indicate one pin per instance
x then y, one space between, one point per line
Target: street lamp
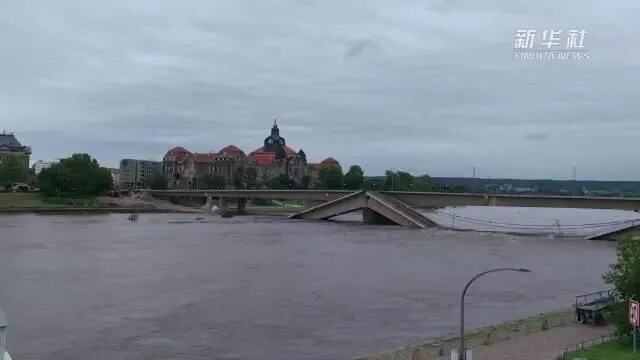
461 350
393 179
3 336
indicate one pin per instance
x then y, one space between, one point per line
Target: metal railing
596 297
588 343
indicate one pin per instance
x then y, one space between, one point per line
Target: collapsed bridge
394 207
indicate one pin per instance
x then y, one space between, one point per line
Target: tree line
12 170
81 175
355 179
78 175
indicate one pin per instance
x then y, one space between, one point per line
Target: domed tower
274 142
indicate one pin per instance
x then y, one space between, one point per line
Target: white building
40 165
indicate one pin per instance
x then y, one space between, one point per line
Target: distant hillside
542 186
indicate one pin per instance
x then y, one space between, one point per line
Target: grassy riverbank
39 201
259 210
276 207
617 350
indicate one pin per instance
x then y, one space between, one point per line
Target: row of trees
354 179
13 170
332 178
78 175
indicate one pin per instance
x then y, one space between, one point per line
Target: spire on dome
275 132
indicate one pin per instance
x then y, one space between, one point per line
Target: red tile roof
287 150
329 161
231 150
263 158
266 158
179 153
315 166
204 158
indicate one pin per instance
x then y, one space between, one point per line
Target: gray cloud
357 47
536 136
428 87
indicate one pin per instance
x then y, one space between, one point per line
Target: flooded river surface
203 287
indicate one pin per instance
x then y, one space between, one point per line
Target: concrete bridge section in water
376 208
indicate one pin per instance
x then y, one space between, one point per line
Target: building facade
135 174
11 147
315 170
115 177
186 170
40 165
275 159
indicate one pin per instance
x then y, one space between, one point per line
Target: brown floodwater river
193 286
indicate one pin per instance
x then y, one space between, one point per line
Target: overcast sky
423 86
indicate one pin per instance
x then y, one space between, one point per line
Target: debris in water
133 217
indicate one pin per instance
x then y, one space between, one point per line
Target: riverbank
17 203
273 210
88 210
37 200
540 337
616 349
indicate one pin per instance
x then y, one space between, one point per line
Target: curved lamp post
461 349
3 336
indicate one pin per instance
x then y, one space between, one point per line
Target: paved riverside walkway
542 345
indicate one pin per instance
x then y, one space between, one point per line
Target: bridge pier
492 201
242 205
222 205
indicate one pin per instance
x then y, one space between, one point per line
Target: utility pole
393 179
474 172
574 181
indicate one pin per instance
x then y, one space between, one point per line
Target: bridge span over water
394 206
421 199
